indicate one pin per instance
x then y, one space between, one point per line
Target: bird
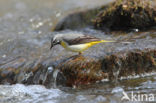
77 42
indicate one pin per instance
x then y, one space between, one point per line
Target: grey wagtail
75 42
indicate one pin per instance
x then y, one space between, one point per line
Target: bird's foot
80 53
76 56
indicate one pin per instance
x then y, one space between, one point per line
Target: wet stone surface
111 61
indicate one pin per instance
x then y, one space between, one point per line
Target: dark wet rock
82 70
119 15
85 70
134 62
77 20
125 14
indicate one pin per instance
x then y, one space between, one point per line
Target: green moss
127 14
82 70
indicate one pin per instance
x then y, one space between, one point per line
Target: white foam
31 93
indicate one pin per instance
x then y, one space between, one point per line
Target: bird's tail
97 42
106 41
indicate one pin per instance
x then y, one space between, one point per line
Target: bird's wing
81 40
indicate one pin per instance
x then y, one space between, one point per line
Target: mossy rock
85 70
82 70
127 14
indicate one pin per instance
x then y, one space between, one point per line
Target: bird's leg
80 53
76 57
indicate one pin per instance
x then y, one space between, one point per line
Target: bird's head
55 41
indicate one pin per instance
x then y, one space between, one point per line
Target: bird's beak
51 46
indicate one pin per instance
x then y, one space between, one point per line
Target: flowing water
25 29
98 93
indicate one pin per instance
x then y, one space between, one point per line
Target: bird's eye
54 41
58 41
